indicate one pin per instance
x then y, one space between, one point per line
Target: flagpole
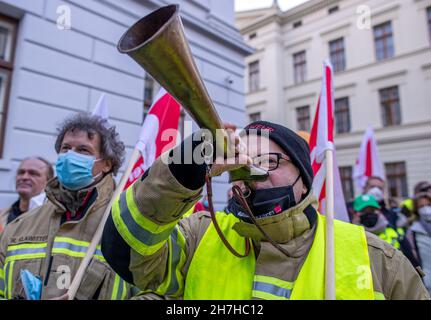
329 261
99 231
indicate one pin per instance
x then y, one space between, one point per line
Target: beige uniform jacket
53 251
3 218
163 200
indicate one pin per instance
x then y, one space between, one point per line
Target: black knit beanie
292 144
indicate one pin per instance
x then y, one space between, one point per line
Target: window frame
342 111
337 55
8 67
388 51
402 185
255 116
254 76
390 105
300 67
301 118
428 14
347 179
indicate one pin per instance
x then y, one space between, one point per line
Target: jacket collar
282 227
67 200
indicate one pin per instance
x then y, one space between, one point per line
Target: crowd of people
159 242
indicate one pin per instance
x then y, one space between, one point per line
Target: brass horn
158 44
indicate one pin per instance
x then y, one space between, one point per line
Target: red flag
322 139
368 163
158 133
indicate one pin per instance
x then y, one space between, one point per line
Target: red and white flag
322 139
367 163
158 133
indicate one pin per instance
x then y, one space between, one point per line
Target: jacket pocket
93 281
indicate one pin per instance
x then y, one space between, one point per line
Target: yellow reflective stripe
130 239
274 281
124 293
266 296
271 288
24 257
26 246
115 287
25 251
174 282
9 275
2 287
379 296
74 241
143 221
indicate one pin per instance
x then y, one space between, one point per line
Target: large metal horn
158 44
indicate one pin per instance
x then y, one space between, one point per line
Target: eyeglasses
269 161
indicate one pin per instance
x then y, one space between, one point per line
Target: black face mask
264 202
369 219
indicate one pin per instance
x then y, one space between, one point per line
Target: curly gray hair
111 147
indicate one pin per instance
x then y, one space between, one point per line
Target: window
8 28
303 118
297 24
299 67
337 54
253 75
384 42
429 21
396 178
252 35
342 115
332 10
347 182
254 116
148 93
390 106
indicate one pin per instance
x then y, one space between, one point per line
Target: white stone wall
409 69
59 72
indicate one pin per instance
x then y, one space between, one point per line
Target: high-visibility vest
392 236
215 273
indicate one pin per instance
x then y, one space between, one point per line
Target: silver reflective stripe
120 289
145 236
7 295
272 289
74 247
176 255
25 251
69 246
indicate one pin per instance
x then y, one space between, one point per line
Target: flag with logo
158 133
368 163
322 139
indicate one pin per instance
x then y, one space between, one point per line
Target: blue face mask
75 170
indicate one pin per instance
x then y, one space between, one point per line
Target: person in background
407 206
375 186
51 240
368 214
31 178
420 234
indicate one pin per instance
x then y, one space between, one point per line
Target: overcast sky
241 5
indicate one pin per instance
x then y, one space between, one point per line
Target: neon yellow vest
215 273
392 237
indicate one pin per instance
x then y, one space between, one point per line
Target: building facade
57 57
381 54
